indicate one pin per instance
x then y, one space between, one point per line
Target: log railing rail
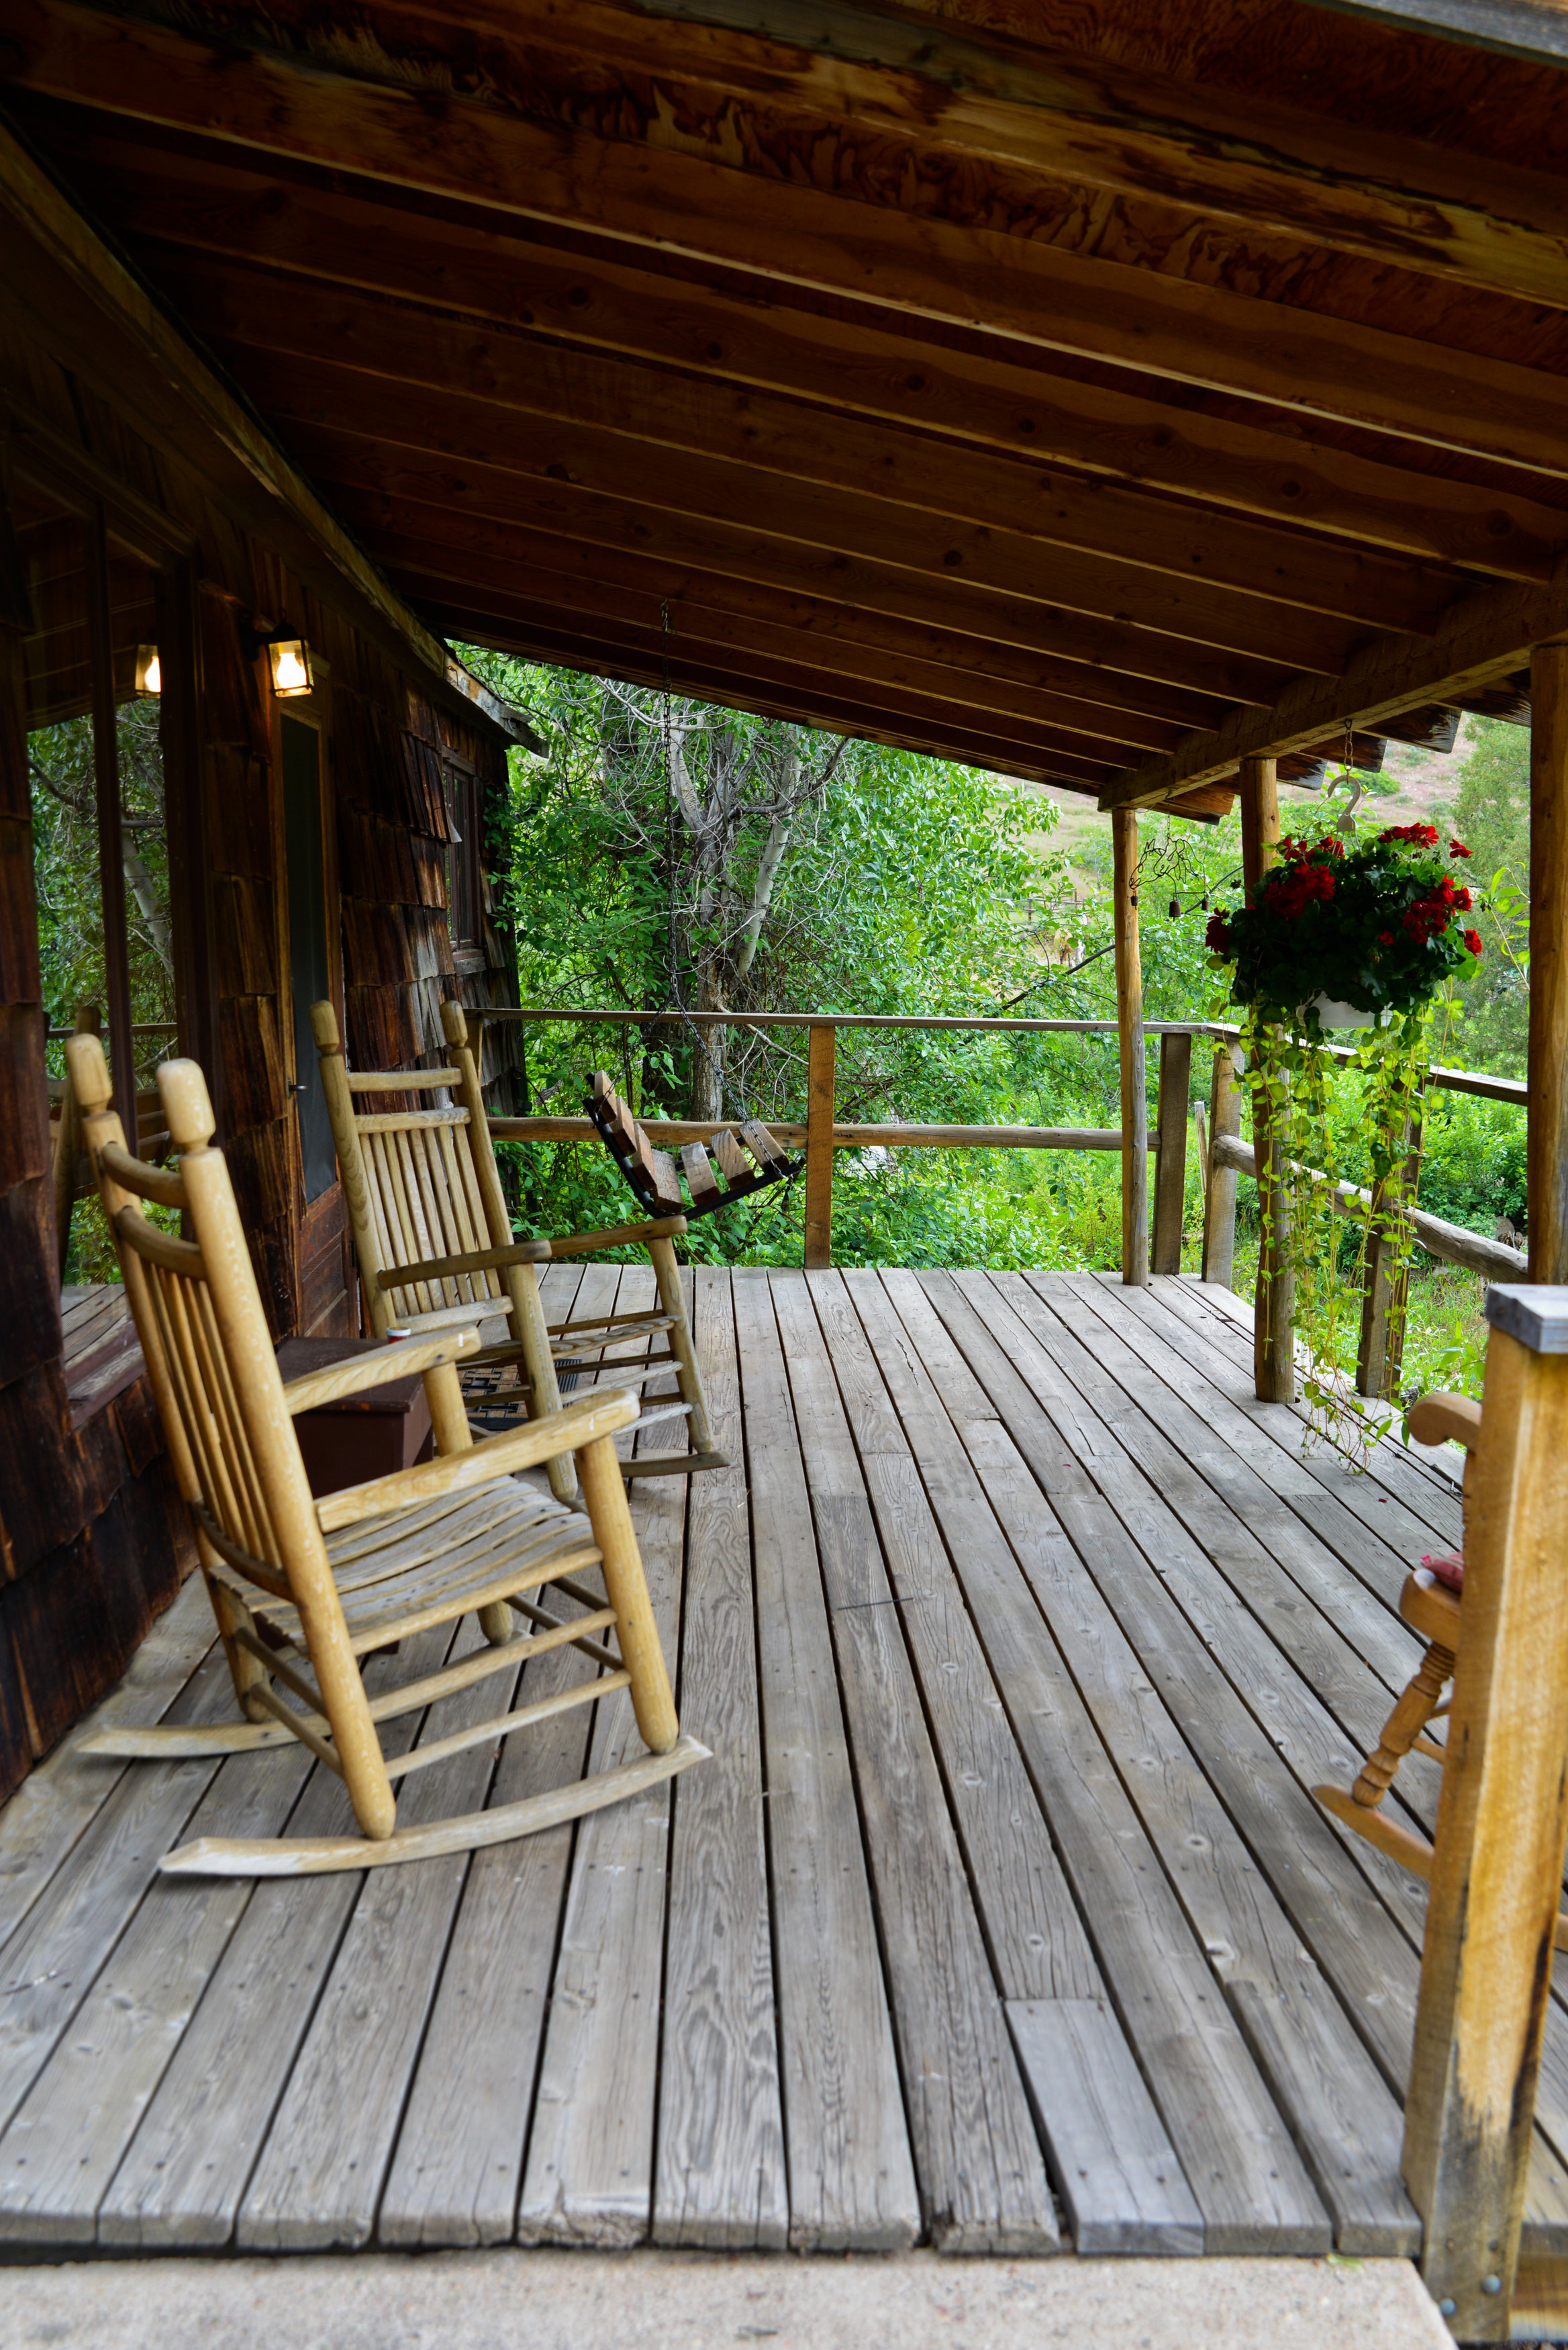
822 1133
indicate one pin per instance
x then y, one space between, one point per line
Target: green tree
663 854
1490 1028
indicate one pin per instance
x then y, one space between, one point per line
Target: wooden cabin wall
93 1540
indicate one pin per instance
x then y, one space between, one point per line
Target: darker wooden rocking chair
1432 1603
750 1158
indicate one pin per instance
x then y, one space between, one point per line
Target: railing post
1547 1144
1503 1822
820 1110
1171 1118
1129 1032
1219 1197
1273 1330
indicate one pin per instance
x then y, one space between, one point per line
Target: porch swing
750 1158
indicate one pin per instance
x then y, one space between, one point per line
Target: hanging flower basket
1360 940
1367 930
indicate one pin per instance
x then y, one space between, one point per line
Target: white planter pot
1333 1014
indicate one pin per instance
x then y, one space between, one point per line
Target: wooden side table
362 1436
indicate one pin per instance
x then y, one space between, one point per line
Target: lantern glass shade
148 676
290 660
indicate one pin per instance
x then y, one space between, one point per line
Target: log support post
1129 1028
1547 1149
1503 1822
1383 1294
1273 1335
820 1111
1219 1189
1171 1120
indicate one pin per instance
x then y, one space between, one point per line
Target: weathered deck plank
1020 1631
1236 2151
588 2176
318 2181
719 2172
61 1795
1255 1716
1036 1938
981 2175
851 2172
1121 2181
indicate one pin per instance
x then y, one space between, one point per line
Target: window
464 870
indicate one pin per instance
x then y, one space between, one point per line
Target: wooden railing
1222 1154
823 1133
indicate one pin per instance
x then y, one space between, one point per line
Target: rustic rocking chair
1431 1603
304 1590
434 1237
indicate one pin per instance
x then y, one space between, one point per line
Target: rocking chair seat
406 1569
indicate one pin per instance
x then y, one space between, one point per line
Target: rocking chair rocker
1431 1603
304 1590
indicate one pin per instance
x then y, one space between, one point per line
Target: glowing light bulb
291 667
148 676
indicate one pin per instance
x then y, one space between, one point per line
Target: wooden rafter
657 196
551 309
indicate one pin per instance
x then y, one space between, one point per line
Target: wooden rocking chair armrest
585 1244
604 1413
313 1388
1439 1419
442 1268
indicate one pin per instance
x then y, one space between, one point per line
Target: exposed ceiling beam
920 99
478 439
88 307
920 688
365 479
1533 30
742 74
432 140
481 268
1478 645
705 681
1121 709
474 382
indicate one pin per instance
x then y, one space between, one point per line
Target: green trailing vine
1377 928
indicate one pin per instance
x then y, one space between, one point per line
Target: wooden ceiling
1098 390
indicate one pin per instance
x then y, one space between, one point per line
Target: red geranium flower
1472 940
1217 937
1385 938
1457 849
1423 836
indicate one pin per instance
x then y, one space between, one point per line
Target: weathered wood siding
93 1542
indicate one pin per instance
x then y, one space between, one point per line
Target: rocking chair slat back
414 1187
422 1188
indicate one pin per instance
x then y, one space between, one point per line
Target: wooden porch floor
1003 1918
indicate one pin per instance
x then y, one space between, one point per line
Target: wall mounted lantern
289 657
148 676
